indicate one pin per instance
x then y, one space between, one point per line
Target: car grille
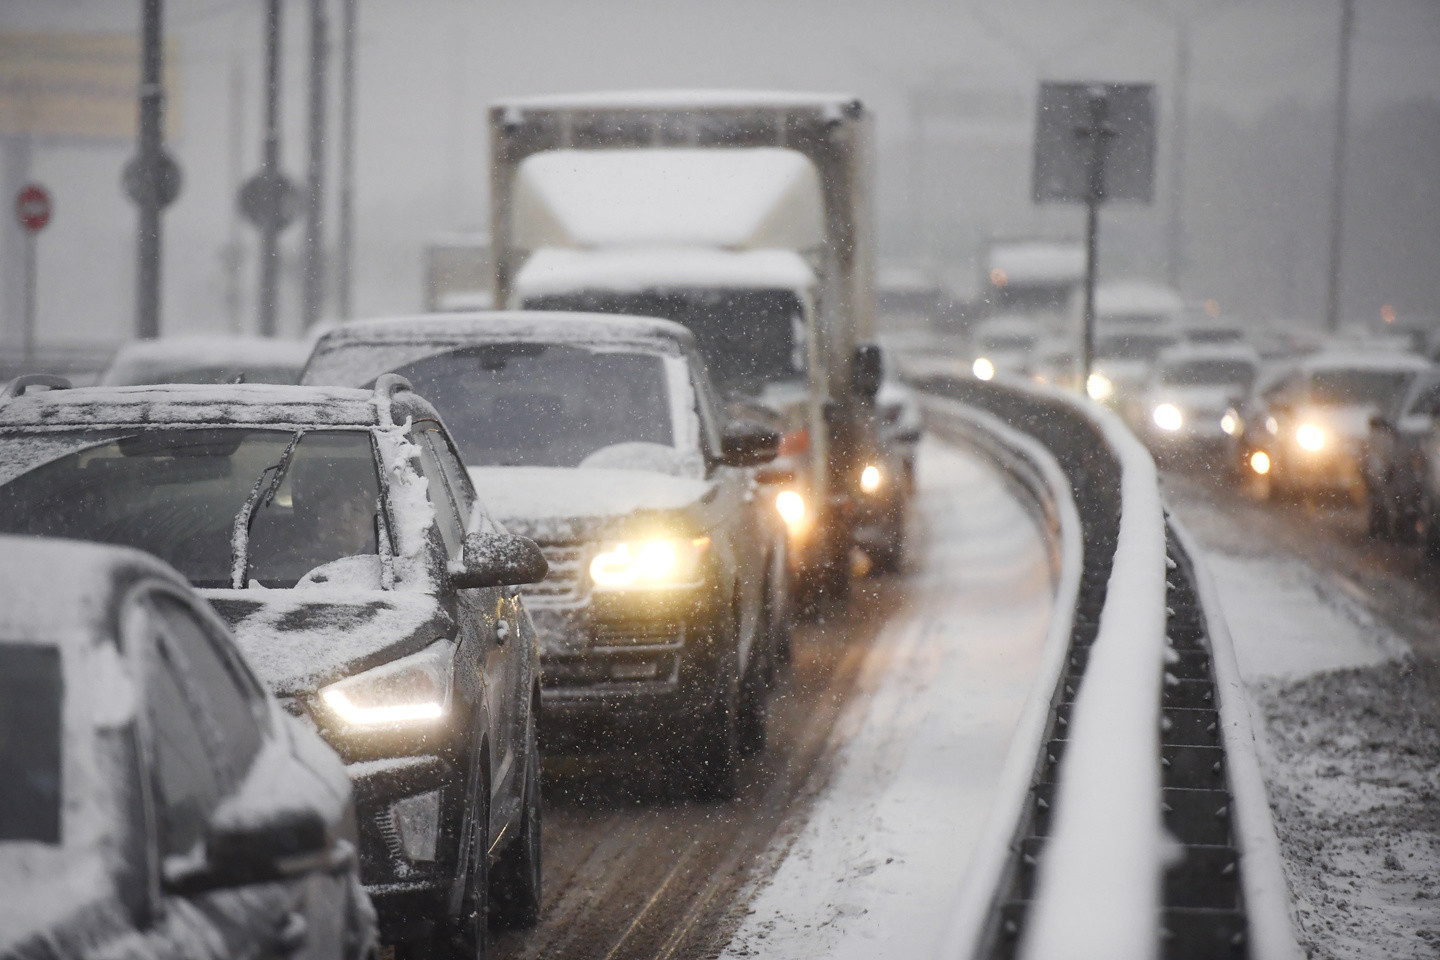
566 582
647 633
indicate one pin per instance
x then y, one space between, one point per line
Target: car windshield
1357 388
749 338
176 493
1204 373
1131 346
545 405
1008 341
31 691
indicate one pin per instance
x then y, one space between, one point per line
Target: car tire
516 880
715 749
470 931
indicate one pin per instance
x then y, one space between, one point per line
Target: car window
205 719
31 694
447 511
710 425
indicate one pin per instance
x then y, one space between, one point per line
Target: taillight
794 443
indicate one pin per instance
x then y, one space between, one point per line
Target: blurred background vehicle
1189 399
340 536
600 437
207 360
156 801
1394 465
1003 346
1306 429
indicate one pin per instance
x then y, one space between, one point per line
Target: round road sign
32 207
157 182
269 200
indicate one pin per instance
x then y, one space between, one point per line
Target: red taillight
794 443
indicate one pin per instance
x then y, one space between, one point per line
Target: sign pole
147 286
29 329
32 210
1095 133
269 232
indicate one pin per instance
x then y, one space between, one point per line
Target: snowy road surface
882 861
1324 623
852 831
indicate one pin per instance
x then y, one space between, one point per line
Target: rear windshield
1131 346
1373 388
1200 373
31 691
545 405
177 493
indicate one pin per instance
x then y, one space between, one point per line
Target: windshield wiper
260 496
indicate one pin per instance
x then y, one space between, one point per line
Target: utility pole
1337 172
345 250
313 280
150 179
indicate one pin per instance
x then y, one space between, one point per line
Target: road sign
1064 130
32 207
163 178
269 200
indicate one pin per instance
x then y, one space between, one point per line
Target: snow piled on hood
524 495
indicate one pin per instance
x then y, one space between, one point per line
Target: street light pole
152 102
345 251
1337 170
269 233
313 283
1175 232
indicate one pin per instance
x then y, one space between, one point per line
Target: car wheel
515 883
715 751
471 929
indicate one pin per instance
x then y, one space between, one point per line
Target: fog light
983 369
417 821
1260 462
1098 386
870 478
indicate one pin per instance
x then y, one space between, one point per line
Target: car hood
559 504
299 640
1207 399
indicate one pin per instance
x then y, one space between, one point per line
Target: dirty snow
923 747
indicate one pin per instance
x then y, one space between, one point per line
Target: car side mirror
865 371
243 848
498 560
748 445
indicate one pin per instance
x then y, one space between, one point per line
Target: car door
205 721
482 612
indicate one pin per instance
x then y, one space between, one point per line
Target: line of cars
460 531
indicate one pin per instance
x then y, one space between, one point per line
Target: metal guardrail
1145 831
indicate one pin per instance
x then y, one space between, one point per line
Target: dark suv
338 533
601 437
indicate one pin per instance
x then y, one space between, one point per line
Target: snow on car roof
509 325
670 99
1182 352
1378 360
213 351
1039 261
551 271
190 403
37 606
744 198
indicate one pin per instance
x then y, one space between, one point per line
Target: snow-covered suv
600 437
339 534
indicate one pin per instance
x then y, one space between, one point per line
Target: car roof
482 326
54 592
1185 351
1350 360
208 404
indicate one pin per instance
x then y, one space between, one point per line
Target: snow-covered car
1395 459
155 801
1306 430
1003 346
1189 401
206 360
599 436
901 419
340 536
1122 363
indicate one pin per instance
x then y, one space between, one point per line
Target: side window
447 516
461 489
206 719
710 417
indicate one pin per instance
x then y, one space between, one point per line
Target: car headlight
1230 423
791 507
1167 417
413 689
1098 386
658 562
870 478
1310 437
983 369
1260 462
1272 426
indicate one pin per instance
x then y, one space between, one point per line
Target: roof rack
386 386
21 384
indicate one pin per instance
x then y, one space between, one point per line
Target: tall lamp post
1337 170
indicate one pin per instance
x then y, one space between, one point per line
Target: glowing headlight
983 369
409 690
1098 386
1260 462
1309 437
870 478
662 562
1168 418
1230 424
791 507
1272 426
